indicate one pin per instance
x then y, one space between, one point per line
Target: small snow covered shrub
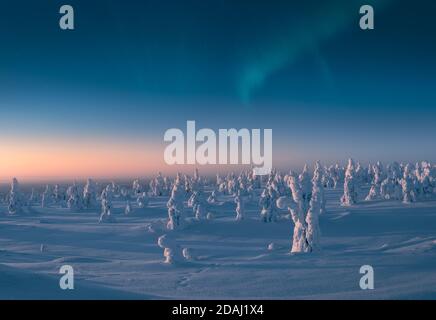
187 254
128 208
271 246
171 249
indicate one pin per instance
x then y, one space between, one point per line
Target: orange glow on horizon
69 159
53 159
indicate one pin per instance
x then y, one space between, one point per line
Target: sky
97 100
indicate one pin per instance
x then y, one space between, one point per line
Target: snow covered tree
222 188
361 174
173 216
142 200
299 240
196 180
370 173
240 207
397 191
187 185
59 196
306 187
338 175
394 171
231 184
251 192
175 206
334 173
317 181
15 198
274 195
373 193
125 194
408 185
89 195
74 200
350 186
427 179
267 203
137 188
219 180
33 197
158 185
115 189
378 177
106 205
128 208
213 197
379 173
47 197
390 189
313 233
168 185
327 179
196 199
297 196
200 211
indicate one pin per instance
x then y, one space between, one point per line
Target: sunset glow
51 159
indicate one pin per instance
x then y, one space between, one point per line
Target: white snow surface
230 259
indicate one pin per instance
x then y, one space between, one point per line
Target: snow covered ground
231 259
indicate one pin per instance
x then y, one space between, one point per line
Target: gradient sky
97 100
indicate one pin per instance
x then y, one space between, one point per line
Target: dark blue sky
132 69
